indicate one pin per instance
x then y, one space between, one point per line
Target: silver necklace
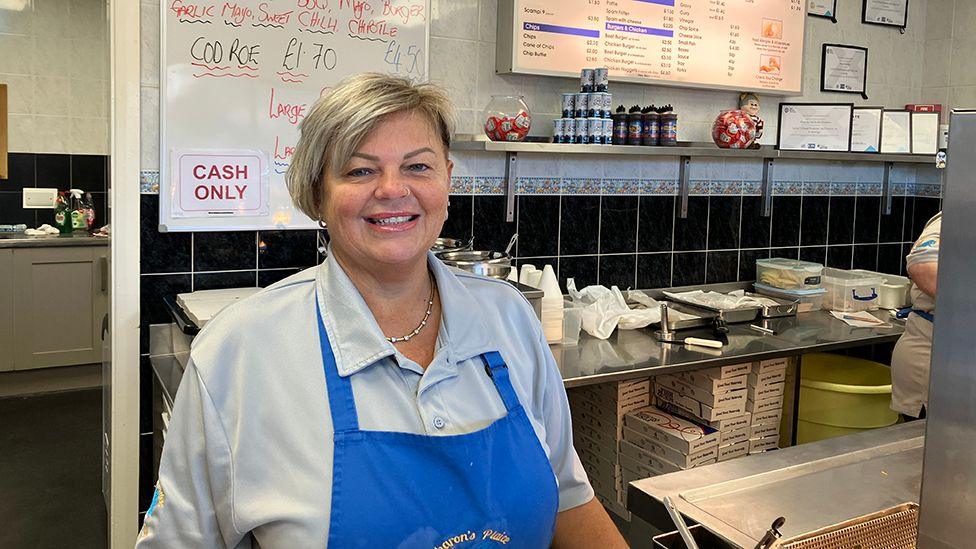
430 307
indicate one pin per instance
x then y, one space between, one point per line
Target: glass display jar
507 118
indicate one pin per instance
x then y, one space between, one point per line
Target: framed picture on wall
925 132
844 69
866 129
824 127
891 13
896 131
823 8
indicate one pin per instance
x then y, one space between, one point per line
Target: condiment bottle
620 126
669 126
635 127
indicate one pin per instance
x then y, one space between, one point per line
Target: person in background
381 399
912 357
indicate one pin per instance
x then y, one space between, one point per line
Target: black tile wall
491 231
579 225
654 270
890 259
655 224
924 209
786 221
691 232
839 257
286 249
618 270
538 226
224 251
618 224
160 252
583 269
267 278
723 222
755 227
722 266
867 216
865 257
458 223
814 254
688 268
60 171
892 224
840 228
813 222
747 262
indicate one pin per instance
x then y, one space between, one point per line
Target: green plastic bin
841 395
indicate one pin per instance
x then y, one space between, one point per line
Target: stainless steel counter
19 240
631 354
813 485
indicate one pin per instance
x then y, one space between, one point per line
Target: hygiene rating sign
219 183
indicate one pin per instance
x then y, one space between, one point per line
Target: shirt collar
356 338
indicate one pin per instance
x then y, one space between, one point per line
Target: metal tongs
772 534
686 536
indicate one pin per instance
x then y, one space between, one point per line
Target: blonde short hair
340 120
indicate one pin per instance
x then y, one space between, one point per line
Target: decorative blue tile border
582 185
725 188
898 189
620 186
462 184
149 182
488 185
843 189
663 187
816 188
787 188
752 188
929 190
869 189
698 187
538 185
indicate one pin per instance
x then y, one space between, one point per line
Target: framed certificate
823 8
844 69
896 131
925 132
893 13
815 127
866 130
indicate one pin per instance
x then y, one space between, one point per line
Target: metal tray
785 307
705 316
732 316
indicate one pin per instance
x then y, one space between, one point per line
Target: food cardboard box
733 451
616 507
763 444
600 469
767 378
610 427
694 407
582 442
668 453
728 421
607 411
648 468
734 436
763 392
712 385
770 365
628 477
676 432
763 431
727 399
619 390
600 437
759 406
654 461
772 416
725 372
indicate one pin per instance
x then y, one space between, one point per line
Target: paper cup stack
552 298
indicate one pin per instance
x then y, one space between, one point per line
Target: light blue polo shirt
247 460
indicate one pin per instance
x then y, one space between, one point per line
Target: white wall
949 71
462 57
54 60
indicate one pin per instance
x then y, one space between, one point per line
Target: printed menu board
730 44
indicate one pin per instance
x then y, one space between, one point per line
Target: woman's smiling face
389 202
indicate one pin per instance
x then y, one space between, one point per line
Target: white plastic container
788 274
848 291
809 300
895 291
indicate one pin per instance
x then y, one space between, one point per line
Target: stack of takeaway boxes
697 418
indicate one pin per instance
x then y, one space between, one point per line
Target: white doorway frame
122 366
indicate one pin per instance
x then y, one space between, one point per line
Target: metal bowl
491 264
450 245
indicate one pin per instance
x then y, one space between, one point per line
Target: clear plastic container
809 300
848 291
894 292
788 274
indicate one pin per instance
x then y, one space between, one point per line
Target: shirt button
439 422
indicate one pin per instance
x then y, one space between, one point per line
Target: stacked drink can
586 114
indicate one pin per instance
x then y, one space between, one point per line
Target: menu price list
732 43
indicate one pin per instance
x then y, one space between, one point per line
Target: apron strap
341 402
496 368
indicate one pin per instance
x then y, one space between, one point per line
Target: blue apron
490 488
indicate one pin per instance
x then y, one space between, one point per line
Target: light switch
40 198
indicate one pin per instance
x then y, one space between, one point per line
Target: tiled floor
50 471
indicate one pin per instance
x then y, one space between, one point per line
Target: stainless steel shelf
690 149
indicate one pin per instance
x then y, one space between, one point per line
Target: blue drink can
607 131
580 135
581 105
569 130
594 131
569 102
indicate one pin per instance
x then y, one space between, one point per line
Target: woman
911 360
380 399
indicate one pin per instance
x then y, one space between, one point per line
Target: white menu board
237 78
752 45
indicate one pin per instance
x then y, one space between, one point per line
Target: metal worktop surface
631 354
20 240
812 485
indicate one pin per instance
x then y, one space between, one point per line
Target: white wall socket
40 198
